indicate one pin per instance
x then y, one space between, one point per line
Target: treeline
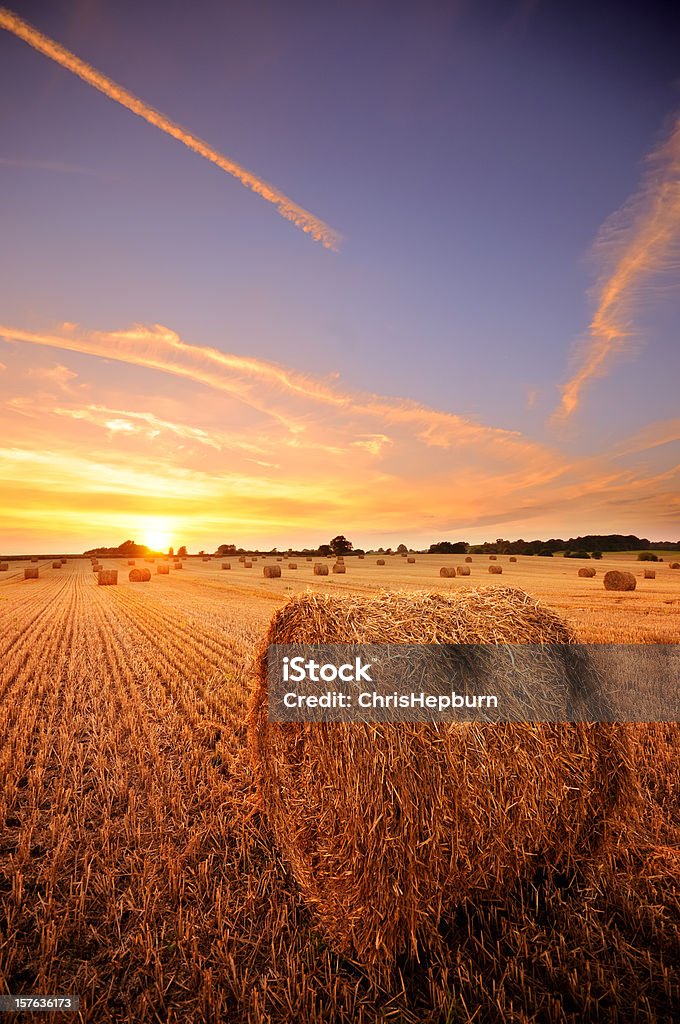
588 542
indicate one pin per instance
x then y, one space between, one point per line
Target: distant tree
647 556
546 553
447 547
226 549
388 551
576 554
182 552
324 550
596 554
340 545
402 549
171 552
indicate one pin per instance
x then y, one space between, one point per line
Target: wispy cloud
639 242
302 218
26 164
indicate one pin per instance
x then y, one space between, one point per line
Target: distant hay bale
177 564
205 559
254 559
380 561
4 566
309 559
386 827
226 565
649 574
586 571
271 571
513 558
279 559
361 557
675 565
163 570
339 567
247 564
615 579
292 565
493 558
31 574
34 560
320 570
97 568
411 561
403 554
139 575
107 578
497 569
131 561
447 570
468 558
56 565
462 570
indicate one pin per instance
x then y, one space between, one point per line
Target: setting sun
156 534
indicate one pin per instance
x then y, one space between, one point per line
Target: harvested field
139 870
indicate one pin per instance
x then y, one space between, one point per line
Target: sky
407 272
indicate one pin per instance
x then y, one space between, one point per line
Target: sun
157 534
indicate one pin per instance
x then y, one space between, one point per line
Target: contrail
308 223
640 240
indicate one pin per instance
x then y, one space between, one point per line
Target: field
137 870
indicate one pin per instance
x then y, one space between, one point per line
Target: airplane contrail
302 219
641 240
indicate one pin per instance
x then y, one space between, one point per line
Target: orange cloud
302 219
641 240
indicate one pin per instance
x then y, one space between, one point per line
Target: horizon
250 291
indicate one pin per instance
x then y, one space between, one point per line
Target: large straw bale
320 570
411 560
131 561
139 575
247 564
468 558
31 574
340 567
380 561
387 827
493 558
292 565
107 578
271 571
497 569
447 570
513 558
462 570
674 565
163 570
615 579
56 565
649 574
226 565
587 572
4 566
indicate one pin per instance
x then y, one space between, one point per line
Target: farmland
136 867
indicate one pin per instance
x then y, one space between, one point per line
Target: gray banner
474 683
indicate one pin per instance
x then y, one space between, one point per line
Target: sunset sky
419 279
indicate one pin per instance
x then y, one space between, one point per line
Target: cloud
302 219
637 243
58 376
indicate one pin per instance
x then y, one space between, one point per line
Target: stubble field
136 868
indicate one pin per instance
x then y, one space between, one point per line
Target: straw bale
387 827
615 579
447 570
320 570
587 572
107 578
271 571
139 575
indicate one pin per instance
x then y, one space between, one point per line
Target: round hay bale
403 553
205 559
131 561
411 561
387 827
361 557
97 568
226 565
380 561
279 559
163 570
340 567
292 565
247 564
107 578
447 570
35 560
139 575
177 564
271 571
649 574
309 559
674 565
31 574
4 566
56 565
462 570
587 572
513 558
493 558
320 570
615 579
497 569
468 558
